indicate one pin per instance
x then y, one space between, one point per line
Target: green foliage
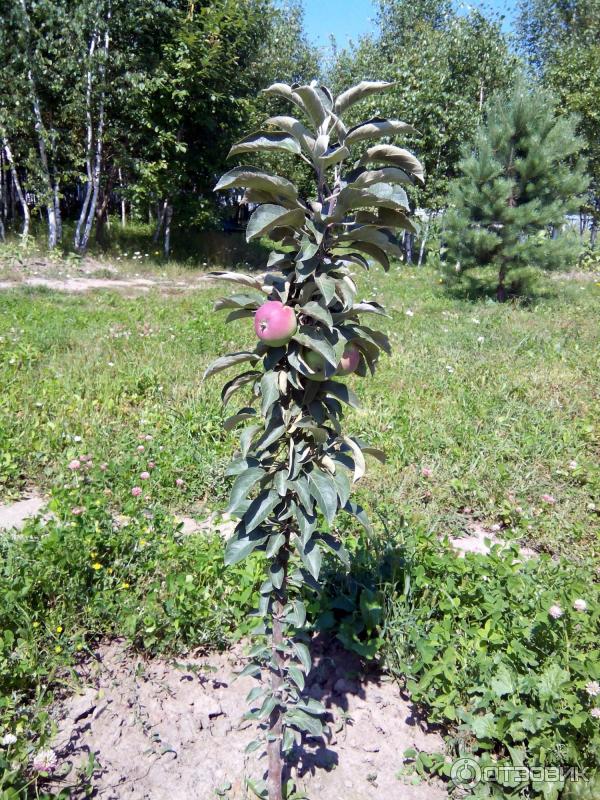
292 466
519 181
90 572
477 646
443 65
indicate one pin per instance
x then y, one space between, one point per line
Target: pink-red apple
349 360
316 363
275 323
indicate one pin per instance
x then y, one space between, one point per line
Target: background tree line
128 107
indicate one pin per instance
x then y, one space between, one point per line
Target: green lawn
500 403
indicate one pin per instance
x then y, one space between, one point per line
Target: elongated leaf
285 91
312 558
242 416
304 722
376 253
237 383
312 99
252 177
323 488
373 235
269 216
253 281
359 459
342 392
296 129
334 155
276 542
269 389
242 485
313 339
297 676
317 311
229 361
366 177
239 547
397 157
259 510
303 654
375 128
358 512
375 452
265 140
358 92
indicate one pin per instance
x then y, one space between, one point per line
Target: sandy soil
163 730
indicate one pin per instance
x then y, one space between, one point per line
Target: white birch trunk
160 220
88 147
168 218
123 206
41 137
97 171
18 188
423 243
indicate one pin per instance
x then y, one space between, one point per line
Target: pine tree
518 181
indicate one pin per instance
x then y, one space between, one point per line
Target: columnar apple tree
295 463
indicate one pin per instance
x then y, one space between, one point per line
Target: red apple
316 363
349 360
275 323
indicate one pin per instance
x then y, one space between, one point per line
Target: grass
486 411
500 403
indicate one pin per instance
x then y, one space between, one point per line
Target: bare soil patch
168 730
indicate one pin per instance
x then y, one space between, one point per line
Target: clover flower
45 761
555 611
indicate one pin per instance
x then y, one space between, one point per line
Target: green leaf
269 389
276 542
259 509
358 512
242 416
269 216
242 485
276 574
317 311
342 392
397 157
297 676
303 654
304 722
239 547
376 253
359 459
296 129
265 140
333 155
256 179
312 99
358 92
312 338
375 128
312 558
237 383
323 488
229 361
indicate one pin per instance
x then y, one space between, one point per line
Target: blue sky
348 19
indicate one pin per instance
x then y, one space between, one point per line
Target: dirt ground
162 730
